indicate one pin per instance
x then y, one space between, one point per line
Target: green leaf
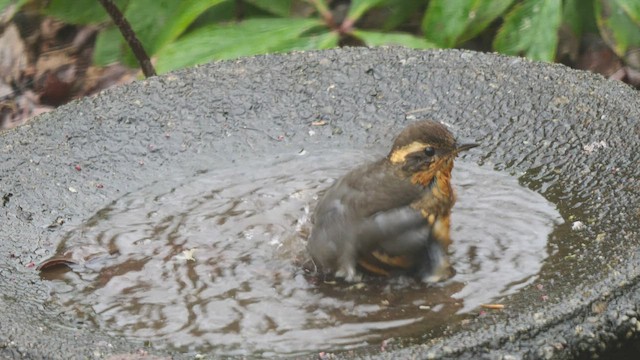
617 25
631 9
250 37
482 14
531 29
225 11
325 40
579 15
159 22
449 23
185 14
5 3
359 7
400 12
277 7
108 47
321 6
155 22
445 21
80 11
374 38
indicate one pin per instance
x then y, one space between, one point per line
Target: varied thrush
393 215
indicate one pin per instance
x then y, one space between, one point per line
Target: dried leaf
493 306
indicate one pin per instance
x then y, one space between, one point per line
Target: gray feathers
368 209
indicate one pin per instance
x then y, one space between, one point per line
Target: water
211 262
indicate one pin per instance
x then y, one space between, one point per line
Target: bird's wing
367 210
332 236
378 202
397 231
376 188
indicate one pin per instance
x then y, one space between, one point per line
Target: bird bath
559 141
213 263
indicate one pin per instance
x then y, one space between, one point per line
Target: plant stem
130 36
323 10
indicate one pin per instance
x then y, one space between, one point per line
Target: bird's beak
465 147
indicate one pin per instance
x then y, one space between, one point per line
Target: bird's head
426 148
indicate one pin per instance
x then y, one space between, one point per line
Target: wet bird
391 216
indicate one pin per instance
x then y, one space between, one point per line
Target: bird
391 216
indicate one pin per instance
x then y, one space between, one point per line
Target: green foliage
445 21
80 11
276 7
109 47
484 13
579 15
325 40
375 38
400 12
359 7
228 41
5 3
450 22
179 33
159 22
531 29
619 23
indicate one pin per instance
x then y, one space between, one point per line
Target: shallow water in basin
211 262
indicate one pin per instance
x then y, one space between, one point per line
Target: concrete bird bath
570 136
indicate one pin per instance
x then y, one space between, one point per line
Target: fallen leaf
13 56
493 306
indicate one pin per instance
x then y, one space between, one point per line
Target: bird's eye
429 151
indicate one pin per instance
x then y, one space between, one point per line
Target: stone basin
571 136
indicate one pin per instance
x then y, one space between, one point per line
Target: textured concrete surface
570 135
